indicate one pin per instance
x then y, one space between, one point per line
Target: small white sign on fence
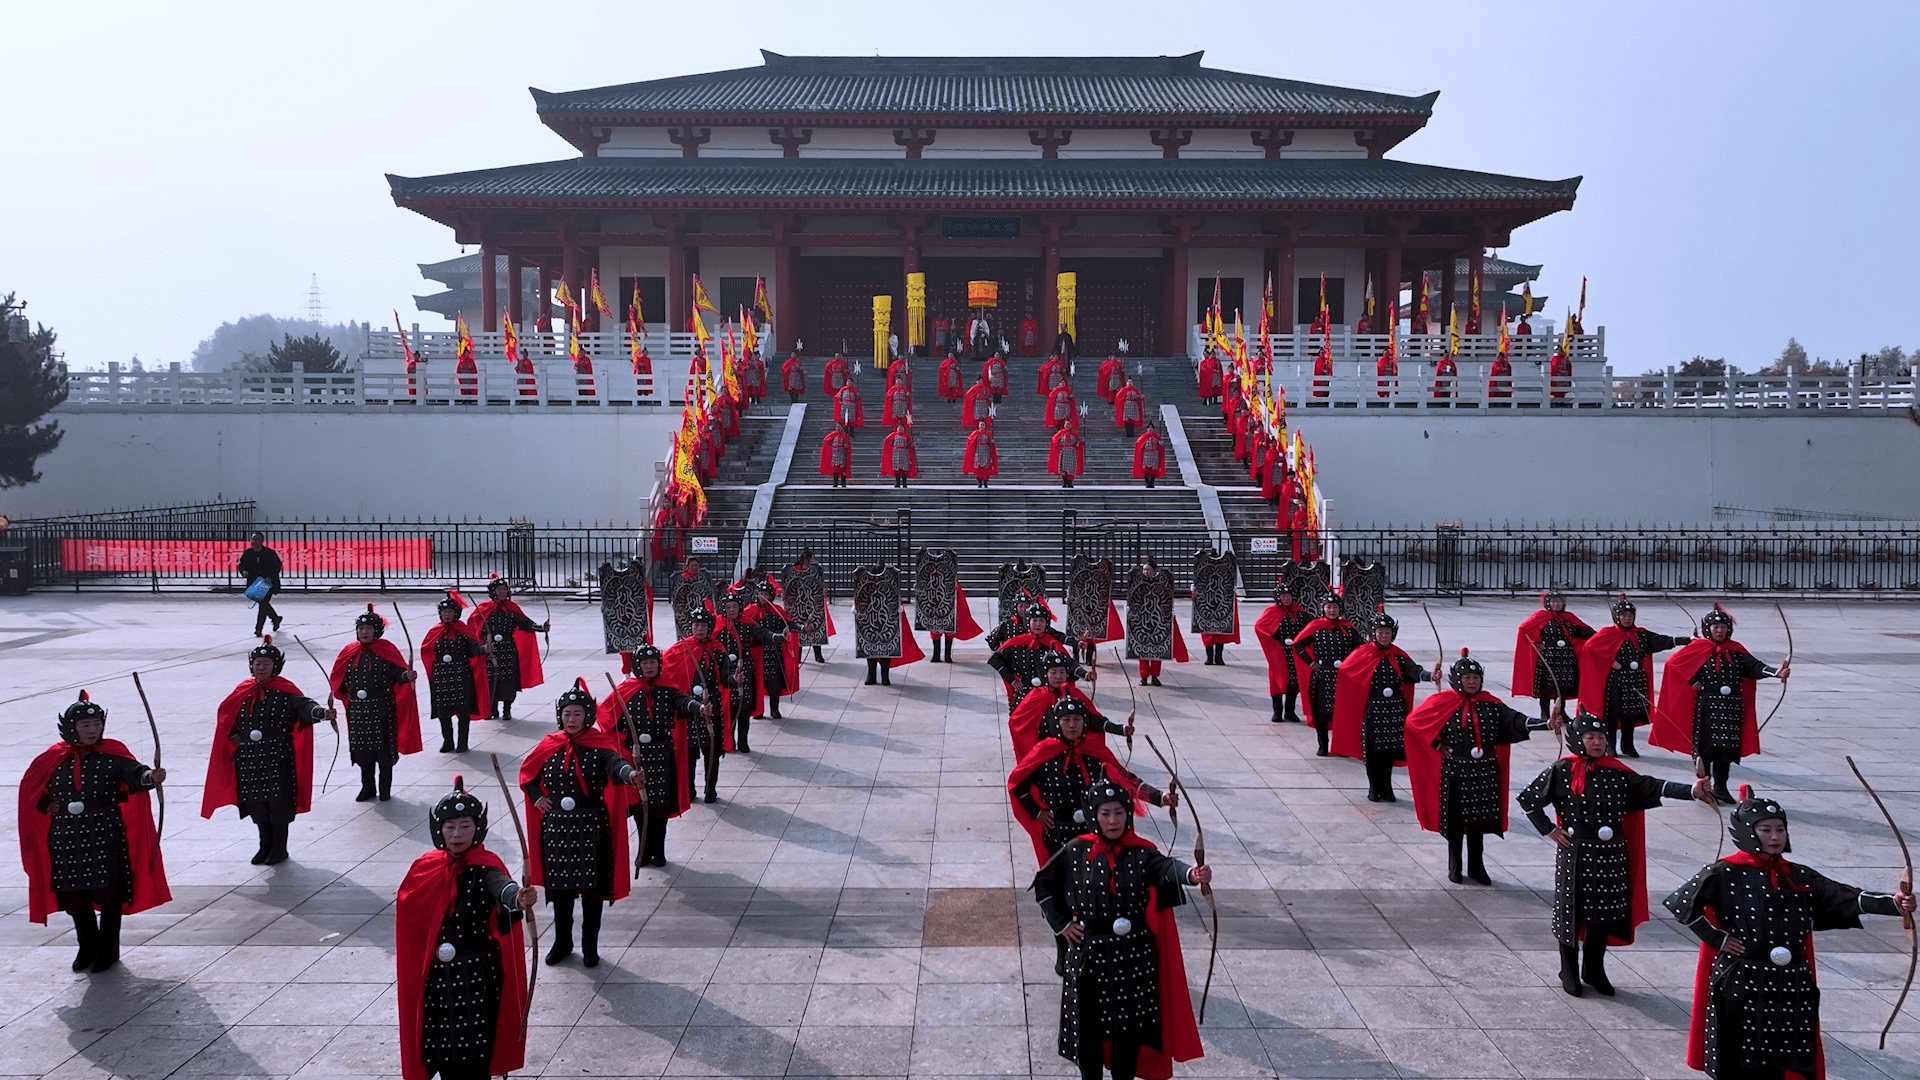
706 545
1264 545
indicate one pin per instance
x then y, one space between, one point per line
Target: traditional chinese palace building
834 177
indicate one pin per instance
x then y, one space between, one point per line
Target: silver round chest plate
1122 927
566 803
444 953
256 735
361 694
1604 832
76 807
1337 663
1386 691
646 737
1079 817
1477 752
1726 689
1036 682
1781 956
497 637
1560 644
446 658
1635 665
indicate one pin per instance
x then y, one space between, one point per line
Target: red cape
1126 394
1179 1035
835 374
1113 376
425 895
1062 410
406 704
1040 382
482 705
1596 661
793 376
1024 722
149 874
1703 988
859 418
1140 468
789 650
886 454
910 651
524 642
963 614
974 406
1054 463
827 467
992 468
1673 721
222 787
951 386
1226 639
1209 377
1423 761
1352 688
615 797
1526 644
614 705
1044 751
1280 676
677 669
889 415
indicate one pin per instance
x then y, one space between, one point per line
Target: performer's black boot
590 931
1721 769
949 650
886 671
460 747
1293 711
818 656
1593 971
1570 969
873 669
277 853
773 705
1453 860
1626 741
1279 707
1476 858
107 953
562 928
87 931
1321 733
655 851
740 725
446 734
266 842
386 780
367 788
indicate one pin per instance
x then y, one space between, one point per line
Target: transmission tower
316 301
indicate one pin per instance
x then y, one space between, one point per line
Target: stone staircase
1240 502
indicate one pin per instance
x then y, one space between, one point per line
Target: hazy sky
1749 167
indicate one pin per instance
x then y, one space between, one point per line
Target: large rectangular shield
1363 588
1149 615
1216 575
1017 579
935 588
1308 582
689 595
626 606
805 593
1089 591
876 611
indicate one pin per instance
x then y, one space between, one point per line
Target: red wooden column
1176 326
909 226
1050 279
516 269
489 290
1285 288
1390 276
785 290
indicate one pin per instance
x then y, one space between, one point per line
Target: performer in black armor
1035 718
1022 660
1546 657
1324 643
1277 630
740 639
87 841
261 761
1371 705
1110 897
652 721
576 782
458 952
697 666
1756 1008
375 683
456 664
1706 706
1599 869
514 663
1616 674
1457 760
777 648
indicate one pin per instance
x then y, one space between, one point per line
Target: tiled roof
983 88
1329 184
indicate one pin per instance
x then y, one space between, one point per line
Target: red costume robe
1353 687
1673 720
1061 411
1067 454
1271 471
898 438
1444 373
1289 491
614 705
900 373
614 797
1323 372
222 786
951 385
1209 376
147 879
789 651
406 704
1560 375
426 894
1129 407
1149 455
1046 750
1423 758
993 370
838 373
1113 374
482 702
1281 676
973 408
848 407
1387 370
793 375
1023 724
896 406
1596 660
836 454
679 668
1526 646
1053 372
524 643
978 444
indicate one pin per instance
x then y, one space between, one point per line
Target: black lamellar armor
1632 673
770 635
1064 783
367 691
1556 664
653 711
1719 705
1762 1014
1384 726
462 997
1328 646
503 667
263 767
1590 879
89 849
712 671
1024 664
1471 789
575 850
450 676
1112 988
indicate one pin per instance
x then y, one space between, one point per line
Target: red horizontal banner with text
220 556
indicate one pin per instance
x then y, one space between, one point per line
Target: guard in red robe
1756 1004
1210 381
1523 327
1616 672
261 760
1323 645
849 410
1706 703
1052 374
1457 751
455 660
459 957
1370 707
651 720
1387 375
1546 656
1061 408
1149 457
514 663
1277 630
753 378
578 784
1023 658
1445 371
982 457
1112 373
793 377
837 374
897 456
87 841
976 407
1559 374
1290 494
952 380
1110 898
1067 455
897 408
1129 408
993 371
836 455
698 666
1500 377
776 647
1302 537
1322 372
375 683
1600 865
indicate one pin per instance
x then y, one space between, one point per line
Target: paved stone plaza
851 906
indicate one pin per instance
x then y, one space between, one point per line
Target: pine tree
32 383
315 352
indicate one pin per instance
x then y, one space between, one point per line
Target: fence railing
551 385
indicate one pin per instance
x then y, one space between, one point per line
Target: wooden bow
1199 859
1778 610
1906 886
159 792
1133 703
638 771
1441 664
408 635
546 634
327 783
526 881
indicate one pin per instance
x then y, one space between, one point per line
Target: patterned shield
626 606
1307 582
689 595
1089 591
936 579
1017 579
1150 615
1216 574
1363 586
805 592
876 611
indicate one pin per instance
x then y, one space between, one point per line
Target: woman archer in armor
261 761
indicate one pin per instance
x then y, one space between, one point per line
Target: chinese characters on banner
219 556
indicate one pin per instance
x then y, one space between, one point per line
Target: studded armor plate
367 689
503 667
1590 879
1472 790
462 996
450 675
89 849
1556 668
574 851
263 767
655 711
1720 702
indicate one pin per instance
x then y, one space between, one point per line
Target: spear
526 881
158 791
328 680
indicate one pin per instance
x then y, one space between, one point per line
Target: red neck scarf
1472 716
1779 870
1110 850
1582 763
